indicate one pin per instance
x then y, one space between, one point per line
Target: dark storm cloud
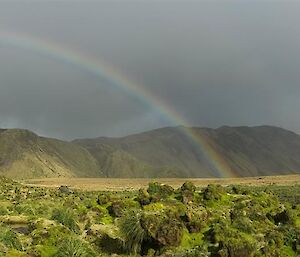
214 62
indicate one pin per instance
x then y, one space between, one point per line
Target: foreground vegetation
231 221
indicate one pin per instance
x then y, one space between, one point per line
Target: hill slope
23 154
166 152
248 151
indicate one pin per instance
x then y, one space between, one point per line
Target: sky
204 63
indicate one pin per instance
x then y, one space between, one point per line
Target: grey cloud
213 62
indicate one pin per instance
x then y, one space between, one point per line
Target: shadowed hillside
248 151
166 152
23 154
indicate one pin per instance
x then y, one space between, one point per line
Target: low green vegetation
231 221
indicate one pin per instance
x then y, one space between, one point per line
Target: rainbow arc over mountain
79 60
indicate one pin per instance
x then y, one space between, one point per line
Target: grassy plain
117 184
252 217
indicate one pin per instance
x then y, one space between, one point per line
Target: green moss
143 197
3 210
6 206
213 192
288 251
10 239
107 219
120 206
191 240
15 253
162 229
46 251
155 207
159 191
100 215
230 241
224 222
297 223
50 235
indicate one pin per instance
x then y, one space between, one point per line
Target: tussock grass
132 231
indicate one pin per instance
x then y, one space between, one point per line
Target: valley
120 184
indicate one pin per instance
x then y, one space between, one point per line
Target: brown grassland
120 184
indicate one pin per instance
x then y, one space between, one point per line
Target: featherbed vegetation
231 221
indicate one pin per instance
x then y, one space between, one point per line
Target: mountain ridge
165 152
230 142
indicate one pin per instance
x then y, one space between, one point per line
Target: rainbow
100 69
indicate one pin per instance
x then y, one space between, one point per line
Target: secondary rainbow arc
103 70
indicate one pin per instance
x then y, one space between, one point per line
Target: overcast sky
212 62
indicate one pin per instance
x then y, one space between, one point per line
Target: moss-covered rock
188 186
64 189
118 207
106 238
164 230
196 218
232 243
187 192
158 191
103 199
143 197
213 192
